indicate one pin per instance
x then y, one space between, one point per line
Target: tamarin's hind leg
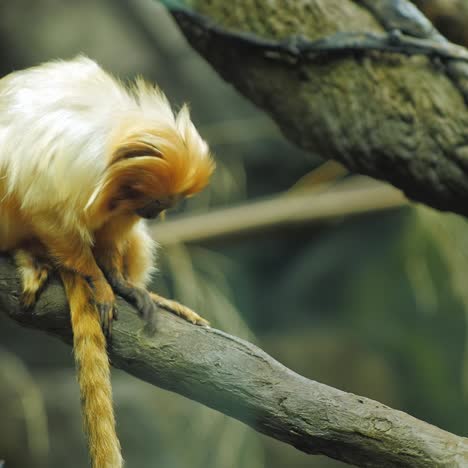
34 274
137 262
110 260
70 253
128 270
147 302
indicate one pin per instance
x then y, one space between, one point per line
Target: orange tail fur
93 371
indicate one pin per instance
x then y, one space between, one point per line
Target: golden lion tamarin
82 160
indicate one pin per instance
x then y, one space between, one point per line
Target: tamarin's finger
179 309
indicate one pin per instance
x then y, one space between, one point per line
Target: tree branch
393 117
240 380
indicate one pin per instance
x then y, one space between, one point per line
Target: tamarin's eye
128 192
151 210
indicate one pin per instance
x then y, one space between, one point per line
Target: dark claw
146 307
26 303
106 314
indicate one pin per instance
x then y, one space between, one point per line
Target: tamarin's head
155 160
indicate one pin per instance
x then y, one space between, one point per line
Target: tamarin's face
143 193
153 208
148 185
151 170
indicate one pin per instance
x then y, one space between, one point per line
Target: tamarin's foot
34 274
179 309
103 297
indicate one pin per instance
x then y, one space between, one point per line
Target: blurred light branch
355 196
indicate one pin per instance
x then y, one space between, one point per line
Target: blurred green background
373 304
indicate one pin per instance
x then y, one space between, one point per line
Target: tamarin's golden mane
154 156
175 162
185 163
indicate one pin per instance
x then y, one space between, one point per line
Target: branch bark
240 380
397 118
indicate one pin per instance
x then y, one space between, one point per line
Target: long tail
93 372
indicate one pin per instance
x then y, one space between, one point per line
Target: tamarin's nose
151 210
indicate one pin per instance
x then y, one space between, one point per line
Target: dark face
154 208
151 210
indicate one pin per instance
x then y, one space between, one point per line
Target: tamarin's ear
134 149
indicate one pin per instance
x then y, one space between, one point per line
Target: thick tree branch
240 380
398 118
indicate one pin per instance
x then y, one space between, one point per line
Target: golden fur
81 159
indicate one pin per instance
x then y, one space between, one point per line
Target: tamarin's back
54 121
59 123
53 132
59 119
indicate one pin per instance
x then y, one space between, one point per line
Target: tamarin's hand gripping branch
82 160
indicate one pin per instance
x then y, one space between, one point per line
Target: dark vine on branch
405 16
297 49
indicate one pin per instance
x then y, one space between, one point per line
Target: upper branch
240 380
392 112
298 48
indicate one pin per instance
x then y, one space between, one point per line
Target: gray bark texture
394 117
240 380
